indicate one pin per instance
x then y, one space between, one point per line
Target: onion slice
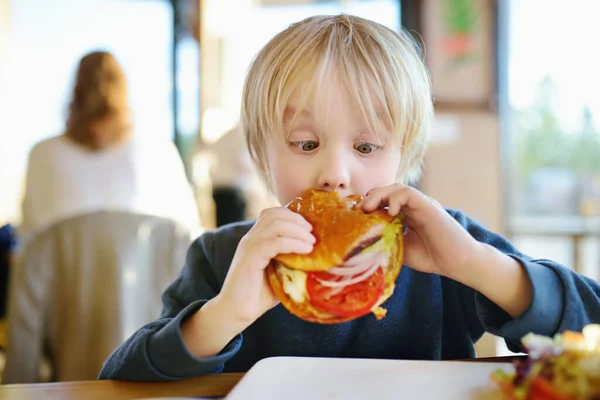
355 268
359 258
345 281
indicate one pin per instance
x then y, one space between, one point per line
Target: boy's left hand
435 242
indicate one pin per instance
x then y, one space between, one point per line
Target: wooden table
211 386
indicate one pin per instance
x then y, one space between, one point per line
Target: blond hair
382 70
99 98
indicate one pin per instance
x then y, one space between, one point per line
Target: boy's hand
246 294
435 242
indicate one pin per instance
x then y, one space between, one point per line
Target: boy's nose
334 176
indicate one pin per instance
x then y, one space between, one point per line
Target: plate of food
565 367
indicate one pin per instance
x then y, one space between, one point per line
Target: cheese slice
293 283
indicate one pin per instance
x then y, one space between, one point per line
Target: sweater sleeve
157 351
562 299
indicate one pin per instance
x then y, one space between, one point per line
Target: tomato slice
352 301
541 389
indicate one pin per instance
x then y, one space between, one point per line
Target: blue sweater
429 317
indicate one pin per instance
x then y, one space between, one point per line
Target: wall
462 168
463 171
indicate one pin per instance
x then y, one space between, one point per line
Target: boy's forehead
334 120
292 111
332 98
311 112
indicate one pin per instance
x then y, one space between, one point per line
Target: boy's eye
365 148
306 145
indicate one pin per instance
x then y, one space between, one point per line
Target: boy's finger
379 197
284 214
286 245
396 201
282 228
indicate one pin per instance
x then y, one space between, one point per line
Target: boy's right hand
246 293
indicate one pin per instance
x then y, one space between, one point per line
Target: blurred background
516 140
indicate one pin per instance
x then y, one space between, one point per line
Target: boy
342 103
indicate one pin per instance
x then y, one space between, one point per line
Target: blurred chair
83 286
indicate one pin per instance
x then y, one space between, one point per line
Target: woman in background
100 162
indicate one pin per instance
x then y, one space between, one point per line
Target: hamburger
352 268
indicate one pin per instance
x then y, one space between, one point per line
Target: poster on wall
459 38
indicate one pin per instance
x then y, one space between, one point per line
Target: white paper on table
297 378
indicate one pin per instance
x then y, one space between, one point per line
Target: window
555 136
